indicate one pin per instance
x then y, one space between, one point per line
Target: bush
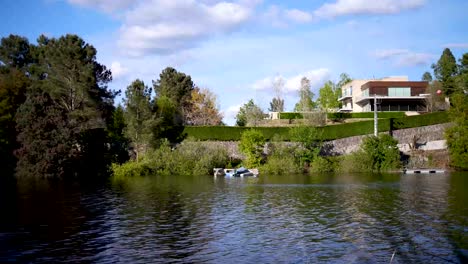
457 136
190 158
325 165
251 144
377 154
290 115
366 115
310 140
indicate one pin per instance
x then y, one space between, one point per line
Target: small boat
240 172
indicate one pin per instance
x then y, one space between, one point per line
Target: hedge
366 115
225 133
295 115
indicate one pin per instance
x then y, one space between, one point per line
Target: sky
237 49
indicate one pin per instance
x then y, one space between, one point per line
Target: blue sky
238 48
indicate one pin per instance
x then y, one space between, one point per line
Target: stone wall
428 138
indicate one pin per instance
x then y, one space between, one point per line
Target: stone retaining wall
428 138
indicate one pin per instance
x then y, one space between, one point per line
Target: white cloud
118 70
298 16
293 83
281 17
362 7
231 111
105 5
389 53
456 45
415 59
167 26
404 57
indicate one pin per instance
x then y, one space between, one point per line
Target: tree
457 140
249 114
168 123
73 85
434 101
328 97
445 71
173 95
306 103
344 79
116 133
15 52
46 149
13 85
174 85
251 144
462 79
202 109
138 116
427 77
310 139
277 103
378 153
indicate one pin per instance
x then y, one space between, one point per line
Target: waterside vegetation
58 119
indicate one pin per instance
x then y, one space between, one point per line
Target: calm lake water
280 219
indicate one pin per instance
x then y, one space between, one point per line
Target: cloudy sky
237 48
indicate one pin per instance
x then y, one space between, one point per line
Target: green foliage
281 160
225 133
189 158
251 144
306 102
249 114
310 139
325 165
176 86
328 96
378 153
119 142
48 145
62 124
445 71
419 120
13 85
426 77
276 105
15 51
365 115
168 124
457 135
138 116
295 115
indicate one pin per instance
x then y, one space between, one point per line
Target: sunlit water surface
271 219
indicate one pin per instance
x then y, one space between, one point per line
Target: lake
361 218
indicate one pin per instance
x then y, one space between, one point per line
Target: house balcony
382 98
344 97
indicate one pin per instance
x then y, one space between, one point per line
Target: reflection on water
271 219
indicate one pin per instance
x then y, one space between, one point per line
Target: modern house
391 94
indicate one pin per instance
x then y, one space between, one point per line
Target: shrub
251 144
457 135
281 160
310 140
189 158
377 154
325 165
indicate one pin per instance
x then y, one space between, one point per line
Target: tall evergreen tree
445 71
174 85
74 86
13 85
138 116
427 77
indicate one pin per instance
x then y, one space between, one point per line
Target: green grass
225 133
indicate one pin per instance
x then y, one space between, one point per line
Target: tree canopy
306 102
